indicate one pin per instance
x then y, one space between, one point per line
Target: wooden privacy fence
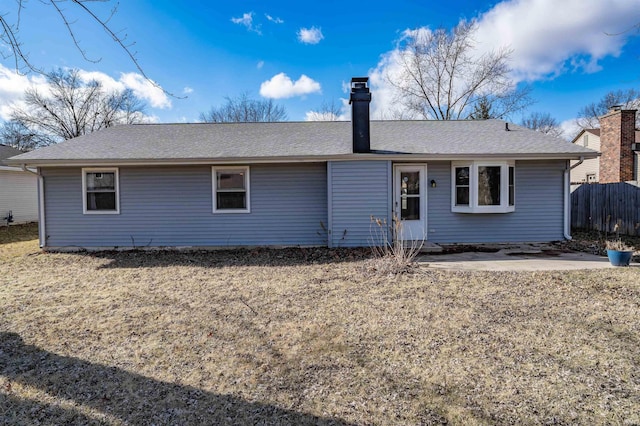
600 206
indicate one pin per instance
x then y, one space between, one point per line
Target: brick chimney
617 134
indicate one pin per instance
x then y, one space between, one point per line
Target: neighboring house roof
153 143
596 132
6 152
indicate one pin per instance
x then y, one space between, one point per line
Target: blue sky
302 54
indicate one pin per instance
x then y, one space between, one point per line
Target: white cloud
260 64
311 35
274 20
570 129
281 86
187 90
343 115
247 20
550 37
13 86
384 103
141 87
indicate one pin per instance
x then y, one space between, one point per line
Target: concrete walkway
517 260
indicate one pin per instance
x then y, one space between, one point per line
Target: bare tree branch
10 35
326 112
443 77
543 123
243 109
70 108
588 115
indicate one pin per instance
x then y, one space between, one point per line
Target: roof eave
297 159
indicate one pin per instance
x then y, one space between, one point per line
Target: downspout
41 220
567 199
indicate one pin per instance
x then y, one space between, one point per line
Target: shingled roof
6 152
289 141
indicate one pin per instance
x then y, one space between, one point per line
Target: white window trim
214 189
84 189
473 206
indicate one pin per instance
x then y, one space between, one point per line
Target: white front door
410 200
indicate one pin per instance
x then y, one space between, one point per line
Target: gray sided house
303 183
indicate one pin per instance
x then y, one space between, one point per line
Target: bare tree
71 107
588 115
326 112
243 109
543 123
15 134
443 77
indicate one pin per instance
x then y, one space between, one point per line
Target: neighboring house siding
538 212
592 166
19 194
172 206
359 190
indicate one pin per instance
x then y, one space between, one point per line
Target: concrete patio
524 258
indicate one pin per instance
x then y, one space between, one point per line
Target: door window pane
489 185
410 208
410 183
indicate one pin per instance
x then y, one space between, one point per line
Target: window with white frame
483 187
231 189
100 191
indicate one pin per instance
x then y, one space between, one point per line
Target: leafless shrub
393 254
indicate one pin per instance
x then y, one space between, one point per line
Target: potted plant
619 253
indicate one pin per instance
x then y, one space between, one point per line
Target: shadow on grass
228 258
18 233
119 394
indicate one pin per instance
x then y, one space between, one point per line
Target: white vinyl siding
18 195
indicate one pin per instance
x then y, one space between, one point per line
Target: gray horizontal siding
172 206
538 212
359 190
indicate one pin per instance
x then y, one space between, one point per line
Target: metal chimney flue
360 99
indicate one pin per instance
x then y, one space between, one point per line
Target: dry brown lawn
311 337
18 240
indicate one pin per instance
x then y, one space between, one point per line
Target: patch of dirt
465 248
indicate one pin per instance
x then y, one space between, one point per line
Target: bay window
483 187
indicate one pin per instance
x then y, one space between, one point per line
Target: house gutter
41 220
567 199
